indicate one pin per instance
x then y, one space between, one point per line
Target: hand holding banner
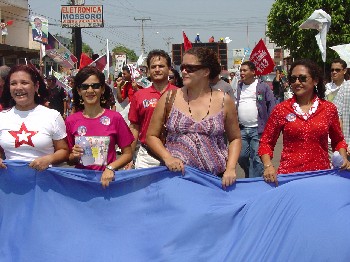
261 58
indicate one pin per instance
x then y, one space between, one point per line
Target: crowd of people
195 119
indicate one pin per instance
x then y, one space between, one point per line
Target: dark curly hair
315 73
39 98
80 77
208 58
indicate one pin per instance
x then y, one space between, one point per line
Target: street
275 160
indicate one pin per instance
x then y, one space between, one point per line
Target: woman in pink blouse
305 120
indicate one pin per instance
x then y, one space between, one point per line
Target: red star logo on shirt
23 136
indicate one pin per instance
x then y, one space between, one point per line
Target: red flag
262 59
85 60
100 63
9 22
187 43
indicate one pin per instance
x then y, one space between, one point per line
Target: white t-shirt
247 110
332 90
27 135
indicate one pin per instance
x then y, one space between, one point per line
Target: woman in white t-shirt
29 131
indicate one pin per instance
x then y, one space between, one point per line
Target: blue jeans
249 159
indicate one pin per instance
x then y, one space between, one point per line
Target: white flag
343 51
320 21
140 60
227 40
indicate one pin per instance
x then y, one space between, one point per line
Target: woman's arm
267 144
108 175
153 134
270 174
59 156
235 142
2 156
119 87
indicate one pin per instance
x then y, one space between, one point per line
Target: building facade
18 45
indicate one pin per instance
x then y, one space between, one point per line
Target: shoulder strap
223 100
170 98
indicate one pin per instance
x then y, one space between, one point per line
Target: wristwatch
110 168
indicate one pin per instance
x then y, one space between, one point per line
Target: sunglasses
301 78
86 86
336 70
191 68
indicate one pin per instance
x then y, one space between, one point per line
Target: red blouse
305 142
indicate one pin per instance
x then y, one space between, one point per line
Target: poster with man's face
39 29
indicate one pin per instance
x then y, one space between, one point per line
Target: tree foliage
130 54
287 15
87 49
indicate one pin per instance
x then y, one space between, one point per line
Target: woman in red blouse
305 120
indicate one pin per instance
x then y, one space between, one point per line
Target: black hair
250 64
340 61
80 77
315 73
126 68
158 53
178 78
40 97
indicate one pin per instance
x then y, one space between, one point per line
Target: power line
143 19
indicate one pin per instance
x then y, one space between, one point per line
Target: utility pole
143 19
76 37
168 42
248 34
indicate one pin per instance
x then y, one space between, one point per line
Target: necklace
188 103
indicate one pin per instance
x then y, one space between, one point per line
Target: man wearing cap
57 96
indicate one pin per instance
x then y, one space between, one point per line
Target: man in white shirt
255 101
338 73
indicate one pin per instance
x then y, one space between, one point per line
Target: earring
316 89
81 101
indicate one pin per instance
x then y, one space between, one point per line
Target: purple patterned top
198 144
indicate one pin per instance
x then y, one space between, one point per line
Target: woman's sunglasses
86 86
191 68
301 78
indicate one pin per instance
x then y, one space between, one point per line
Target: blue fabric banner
63 214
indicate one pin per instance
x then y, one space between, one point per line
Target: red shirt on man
142 106
127 91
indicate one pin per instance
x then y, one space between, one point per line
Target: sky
243 21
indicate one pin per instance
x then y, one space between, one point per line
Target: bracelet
110 168
266 166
